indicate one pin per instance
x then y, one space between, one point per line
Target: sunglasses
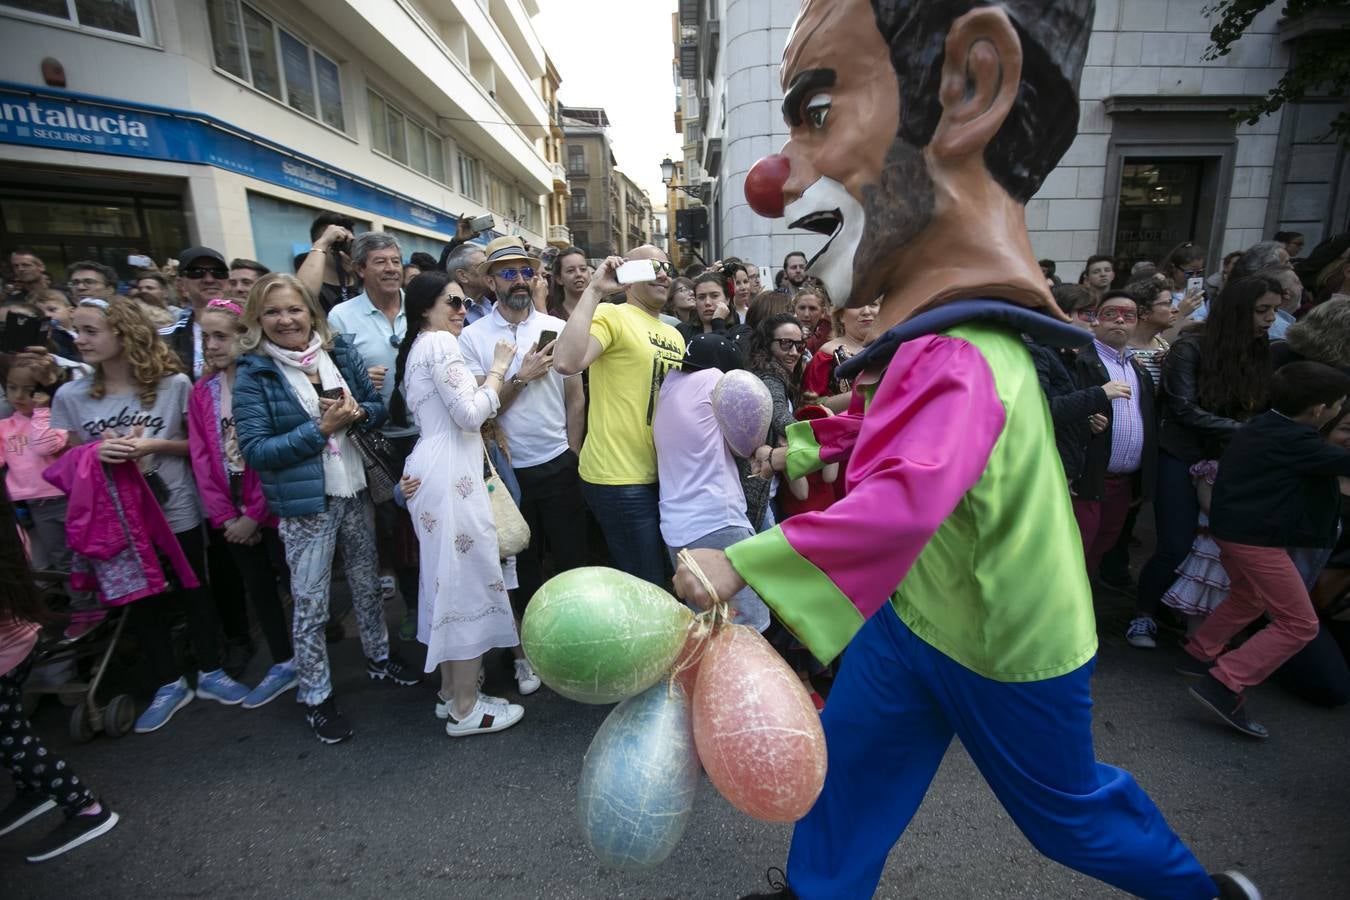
525 272
196 273
1118 314
456 303
1086 315
663 267
786 344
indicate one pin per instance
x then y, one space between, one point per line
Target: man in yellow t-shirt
628 351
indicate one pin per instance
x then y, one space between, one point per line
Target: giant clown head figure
918 131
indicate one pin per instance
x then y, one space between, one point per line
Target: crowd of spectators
204 441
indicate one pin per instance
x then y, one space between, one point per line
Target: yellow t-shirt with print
624 381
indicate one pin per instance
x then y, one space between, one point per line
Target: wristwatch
518 383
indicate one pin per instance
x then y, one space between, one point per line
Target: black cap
192 254
711 351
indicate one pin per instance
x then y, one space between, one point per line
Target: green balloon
598 635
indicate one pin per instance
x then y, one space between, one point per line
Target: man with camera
327 268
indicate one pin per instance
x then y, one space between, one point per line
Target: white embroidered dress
463 609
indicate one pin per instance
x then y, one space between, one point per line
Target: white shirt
535 424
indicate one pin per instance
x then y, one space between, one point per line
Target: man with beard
794 272
542 416
571 274
952 569
628 350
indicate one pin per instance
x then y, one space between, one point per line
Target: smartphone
546 338
635 270
331 393
482 223
21 332
140 262
1195 284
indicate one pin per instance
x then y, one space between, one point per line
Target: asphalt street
226 802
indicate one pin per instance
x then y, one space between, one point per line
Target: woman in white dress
463 609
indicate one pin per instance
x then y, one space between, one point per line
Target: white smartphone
140 262
1195 284
635 270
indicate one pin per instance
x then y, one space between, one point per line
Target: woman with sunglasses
777 351
463 607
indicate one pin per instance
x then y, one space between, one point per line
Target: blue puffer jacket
280 441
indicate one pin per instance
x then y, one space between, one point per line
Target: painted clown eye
817 110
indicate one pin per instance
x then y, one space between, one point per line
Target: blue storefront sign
61 120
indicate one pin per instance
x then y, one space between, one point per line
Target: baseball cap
192 254
711 351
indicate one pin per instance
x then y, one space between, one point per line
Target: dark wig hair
1044 118
762 361
1235 364
418 299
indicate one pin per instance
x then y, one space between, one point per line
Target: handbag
513 534
377 457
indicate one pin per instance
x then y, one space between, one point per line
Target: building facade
1158 160
590 177
152 125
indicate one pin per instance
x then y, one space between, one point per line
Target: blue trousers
892 713
630 517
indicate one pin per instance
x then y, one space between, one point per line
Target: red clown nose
764 185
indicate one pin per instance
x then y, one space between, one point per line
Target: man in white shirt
542 415
374 323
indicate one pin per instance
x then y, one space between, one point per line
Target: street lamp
668 179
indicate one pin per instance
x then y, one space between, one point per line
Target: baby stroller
57 668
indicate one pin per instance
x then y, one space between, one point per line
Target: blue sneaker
278 680
220 687
168 700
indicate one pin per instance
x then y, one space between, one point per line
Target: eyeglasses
195 273
1085 315
525 272
1117 313
786 344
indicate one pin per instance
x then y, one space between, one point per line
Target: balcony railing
559 175
559 235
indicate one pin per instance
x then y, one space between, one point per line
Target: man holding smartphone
542 415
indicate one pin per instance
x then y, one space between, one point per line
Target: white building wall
1155 47
177 71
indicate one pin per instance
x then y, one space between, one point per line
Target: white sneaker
1142 632
444 705
526 680
485 718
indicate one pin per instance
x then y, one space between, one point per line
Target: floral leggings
310 543
35 769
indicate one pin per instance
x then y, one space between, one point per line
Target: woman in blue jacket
301 388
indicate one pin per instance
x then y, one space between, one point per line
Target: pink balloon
757 732
743 409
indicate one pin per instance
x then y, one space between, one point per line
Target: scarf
344 474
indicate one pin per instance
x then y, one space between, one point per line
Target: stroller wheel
81 729
119 715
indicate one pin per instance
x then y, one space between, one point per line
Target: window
397 135
126 17
583 240
578 206
253 48
576 160
470 177
528 212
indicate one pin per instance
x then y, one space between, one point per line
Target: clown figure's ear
981 73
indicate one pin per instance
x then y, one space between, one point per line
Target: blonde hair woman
304 389
135 404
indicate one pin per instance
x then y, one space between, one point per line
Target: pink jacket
208 462
117 554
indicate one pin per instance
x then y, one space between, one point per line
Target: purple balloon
744 410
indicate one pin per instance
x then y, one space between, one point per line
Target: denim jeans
1176 512
630 518
746 605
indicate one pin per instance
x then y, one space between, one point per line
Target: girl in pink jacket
231 495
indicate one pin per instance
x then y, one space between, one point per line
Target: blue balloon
638 779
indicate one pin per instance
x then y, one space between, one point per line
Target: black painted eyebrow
805 81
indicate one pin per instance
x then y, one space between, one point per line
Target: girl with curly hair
1214 378
135 405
